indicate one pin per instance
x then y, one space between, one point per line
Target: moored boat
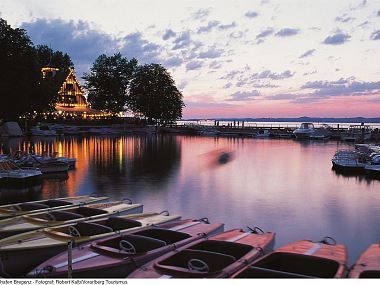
216 257
21 224
301 259
26 251
368 264
33 207
349 161
118 256
304 131
11 174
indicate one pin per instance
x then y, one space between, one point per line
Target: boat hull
96 260
368 264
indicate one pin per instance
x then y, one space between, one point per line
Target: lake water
284 186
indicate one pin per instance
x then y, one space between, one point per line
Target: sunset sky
262 58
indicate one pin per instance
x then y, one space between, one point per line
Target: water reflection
283 186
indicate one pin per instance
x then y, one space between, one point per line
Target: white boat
322 133
10 173
304 131
357 133
373 168
349 161
262 134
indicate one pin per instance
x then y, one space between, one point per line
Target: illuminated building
71 101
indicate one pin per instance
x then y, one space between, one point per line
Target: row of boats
365 158
88 237
20 168
355 133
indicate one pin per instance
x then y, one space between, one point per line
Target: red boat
301 259
368 264
216 257
118 256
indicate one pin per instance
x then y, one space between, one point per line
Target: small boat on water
33 207
262 134
368 264
216 257
21 224
26 251
304 131
349 161
118 256
301 259
49 165
11 174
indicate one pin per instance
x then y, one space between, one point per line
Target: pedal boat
18 209
23 252
25 223
301 259
216 257
118 256
368 264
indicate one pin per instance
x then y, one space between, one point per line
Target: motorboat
27 250
33 207
322 133
349 161
119 255
373 167
368 264
262 134
357 133
10 173
300 259
49 165
304 131
30 222
217 257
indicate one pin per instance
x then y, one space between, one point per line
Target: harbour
265 183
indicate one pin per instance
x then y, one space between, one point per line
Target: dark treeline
114 83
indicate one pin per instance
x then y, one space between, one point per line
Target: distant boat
322 133
262 134
304 131
357 133
42 131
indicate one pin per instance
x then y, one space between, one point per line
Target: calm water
283 186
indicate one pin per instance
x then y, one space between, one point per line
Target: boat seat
308 265
258 272
144 244
91 229
140 243
117 223
65 216
370 274
30 206
165 235
237 250
89 212
57 203
215 261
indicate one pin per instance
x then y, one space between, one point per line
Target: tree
107 82
21 84
46 56
153 94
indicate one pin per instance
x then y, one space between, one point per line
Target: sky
264 58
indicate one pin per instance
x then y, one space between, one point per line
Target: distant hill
300 119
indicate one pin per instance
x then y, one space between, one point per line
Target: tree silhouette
153 94
108 80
